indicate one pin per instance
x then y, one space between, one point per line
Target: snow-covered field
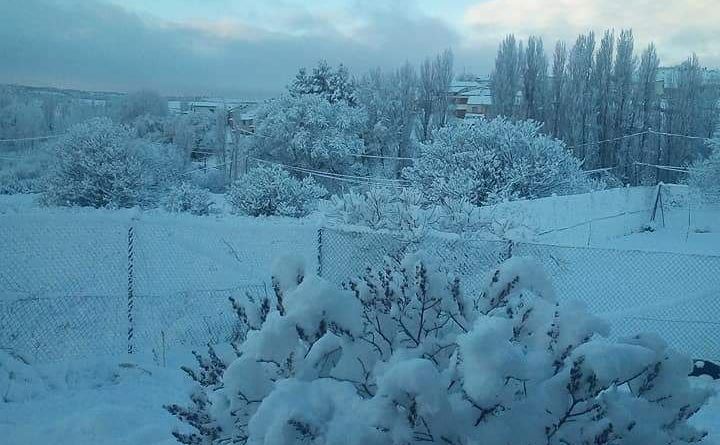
117 400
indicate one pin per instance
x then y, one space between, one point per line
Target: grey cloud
89 44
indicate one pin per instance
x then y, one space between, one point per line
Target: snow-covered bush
379 208
25 173
402 356
704 177
270 190
486 161
404 212
309 132
101 164
213 179
187 197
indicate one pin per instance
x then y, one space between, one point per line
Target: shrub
187 197
403 356
271 190
25 173
101 164
486 161
704 175
378 208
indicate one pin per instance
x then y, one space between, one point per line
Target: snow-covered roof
478 96
459 86
484 99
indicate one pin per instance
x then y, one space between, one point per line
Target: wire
648 131
660 133
599 170
610 140
671 168
330 174
38 138
397 183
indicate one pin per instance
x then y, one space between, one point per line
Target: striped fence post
130 287
319 252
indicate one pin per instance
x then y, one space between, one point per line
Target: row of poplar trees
597 97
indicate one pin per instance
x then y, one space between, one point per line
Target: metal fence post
130 287
319 252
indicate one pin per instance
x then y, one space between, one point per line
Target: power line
671 168
326 173
640 133
37 138
610 140
396 183
660 133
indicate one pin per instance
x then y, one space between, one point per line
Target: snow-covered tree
195 134
559 94
139 103
308 132
624 78
580 103
603 95
646 103
333 85
534 80
506 78
102 164
434 83
390 104
403 355
485 161
270 190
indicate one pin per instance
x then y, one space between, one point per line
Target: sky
252 49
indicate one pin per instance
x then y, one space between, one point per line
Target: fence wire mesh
65 289
675 295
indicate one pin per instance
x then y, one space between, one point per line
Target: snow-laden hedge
270 190
102 164
188 197
403 356
486 161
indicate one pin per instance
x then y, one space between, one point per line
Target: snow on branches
102 164
401 355
270 190
485 161
308 131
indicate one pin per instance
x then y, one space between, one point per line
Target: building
211 105
242 117
470 99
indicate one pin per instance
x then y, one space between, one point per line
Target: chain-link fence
675 295
105 286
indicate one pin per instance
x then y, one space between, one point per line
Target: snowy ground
111 403
115 403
